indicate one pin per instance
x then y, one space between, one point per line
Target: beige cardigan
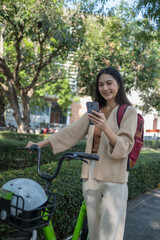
112 163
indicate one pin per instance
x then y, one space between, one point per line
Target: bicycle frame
49 230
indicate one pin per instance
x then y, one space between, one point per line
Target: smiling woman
106 179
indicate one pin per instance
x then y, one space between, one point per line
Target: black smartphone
92 106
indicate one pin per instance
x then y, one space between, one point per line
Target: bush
155 144
146 173
12 158
143 178
22 136
67 186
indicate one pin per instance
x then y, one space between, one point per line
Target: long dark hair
121 97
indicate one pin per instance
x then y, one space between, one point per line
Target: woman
104 182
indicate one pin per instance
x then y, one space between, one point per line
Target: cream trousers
106 207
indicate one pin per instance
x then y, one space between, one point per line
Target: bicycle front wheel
19 235
84 235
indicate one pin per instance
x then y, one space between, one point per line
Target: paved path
143 217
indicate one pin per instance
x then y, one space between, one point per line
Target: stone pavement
143 217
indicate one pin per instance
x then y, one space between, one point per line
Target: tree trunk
22 127
22 122
18 102
20 107
2 108
23 118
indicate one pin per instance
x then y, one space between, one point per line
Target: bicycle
15 208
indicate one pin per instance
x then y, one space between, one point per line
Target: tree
149 9
36 33
123 42
2 108
60 89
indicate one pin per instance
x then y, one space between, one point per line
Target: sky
115 3
112 3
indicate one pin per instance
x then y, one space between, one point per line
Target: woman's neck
110 105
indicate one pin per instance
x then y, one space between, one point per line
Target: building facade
52 116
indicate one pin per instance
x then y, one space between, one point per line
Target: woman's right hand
29 144
39 144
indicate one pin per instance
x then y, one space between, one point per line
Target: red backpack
133 156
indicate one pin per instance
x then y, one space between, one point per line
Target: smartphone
92 106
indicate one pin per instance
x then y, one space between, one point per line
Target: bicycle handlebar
69 155
81 155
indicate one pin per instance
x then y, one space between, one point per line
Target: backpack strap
120 112
140 127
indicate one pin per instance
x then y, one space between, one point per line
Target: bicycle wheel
84 235
19 235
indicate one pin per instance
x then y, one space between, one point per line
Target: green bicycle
30 210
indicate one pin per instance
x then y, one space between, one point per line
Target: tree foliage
149 9
126 43
36 34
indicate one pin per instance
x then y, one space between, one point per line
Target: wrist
43 143
39 144
106 130
111 136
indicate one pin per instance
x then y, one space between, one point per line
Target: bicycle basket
31 192
23 213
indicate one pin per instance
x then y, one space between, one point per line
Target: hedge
143 177
67 186
39 137
155 144
12 158
22 136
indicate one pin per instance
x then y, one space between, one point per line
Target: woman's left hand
98 119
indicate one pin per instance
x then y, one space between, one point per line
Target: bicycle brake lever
81 159
78 158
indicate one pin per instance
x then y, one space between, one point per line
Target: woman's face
108 87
